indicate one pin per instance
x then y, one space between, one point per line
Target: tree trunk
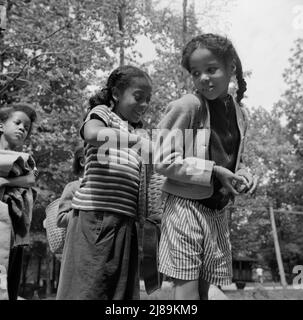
277 248
184 30
3 6
185 81
147 6
3 18
121 24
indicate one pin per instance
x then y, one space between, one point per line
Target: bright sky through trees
263 33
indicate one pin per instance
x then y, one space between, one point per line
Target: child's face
210 75
134 100
16 129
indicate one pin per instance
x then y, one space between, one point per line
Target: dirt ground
277 294
251 292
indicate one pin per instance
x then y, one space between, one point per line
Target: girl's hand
227 178
252 181
156 218
146 147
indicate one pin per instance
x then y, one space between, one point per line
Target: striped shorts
195 242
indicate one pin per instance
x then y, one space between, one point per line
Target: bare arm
95 132
65 209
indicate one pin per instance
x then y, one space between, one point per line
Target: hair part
7 111
121 79
223 49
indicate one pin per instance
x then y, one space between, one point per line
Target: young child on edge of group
195 247
65 210
16 123
101 252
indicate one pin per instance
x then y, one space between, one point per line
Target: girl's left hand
252 181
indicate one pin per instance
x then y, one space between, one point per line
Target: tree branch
24 66
34 42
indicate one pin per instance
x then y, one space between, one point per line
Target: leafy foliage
53 51
274 154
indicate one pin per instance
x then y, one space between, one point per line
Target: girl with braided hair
101 250
202 174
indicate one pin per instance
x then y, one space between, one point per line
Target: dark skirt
100 258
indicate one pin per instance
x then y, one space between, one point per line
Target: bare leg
203 289
186 289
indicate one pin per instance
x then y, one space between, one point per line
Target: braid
104 96
221 47
242 86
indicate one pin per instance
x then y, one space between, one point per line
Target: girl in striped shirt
101 254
